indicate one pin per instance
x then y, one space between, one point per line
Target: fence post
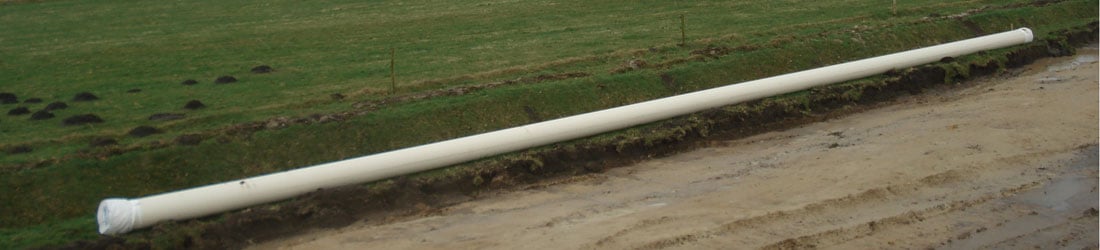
393 74
683 34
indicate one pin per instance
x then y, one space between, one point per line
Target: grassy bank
53 50
34 215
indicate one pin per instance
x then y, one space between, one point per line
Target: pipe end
1028 35
117 216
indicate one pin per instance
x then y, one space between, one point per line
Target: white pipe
117 216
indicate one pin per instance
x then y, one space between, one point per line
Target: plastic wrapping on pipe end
1028 35
117 216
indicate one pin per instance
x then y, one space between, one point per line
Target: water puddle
1069 190
1077 62
1065 66
1065 197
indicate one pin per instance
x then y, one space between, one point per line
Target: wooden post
683 34
393 75
895 8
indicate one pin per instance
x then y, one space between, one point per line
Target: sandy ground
1008 163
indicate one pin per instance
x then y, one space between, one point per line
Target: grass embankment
55 49
34 215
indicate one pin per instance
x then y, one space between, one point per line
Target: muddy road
1009 162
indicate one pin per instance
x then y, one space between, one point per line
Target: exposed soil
716 52
143 131
670 83
973 27
19 111
189 82
194 104
262 69
532 115
403 198
133 91
102 141
629 65
1004 162
461 90
8 98
56 106
84 97
41 115
189 139
82 119
365 107
225 79
21 149
167 116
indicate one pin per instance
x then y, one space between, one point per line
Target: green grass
54 49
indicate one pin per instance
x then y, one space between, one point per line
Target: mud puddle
1056 213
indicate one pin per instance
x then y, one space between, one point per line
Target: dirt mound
189 139
143 131
8 98
102 142
107 242
166 116
19 111
189 82
337 96
41 115
532 114
262 69
225 79
629 65
133 91
56 106
82 119
21 149
33 100
670 83
84 97
712 52
462 90
194 104
972 26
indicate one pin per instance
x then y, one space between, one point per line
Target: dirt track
1008 163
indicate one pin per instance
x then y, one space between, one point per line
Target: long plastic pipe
117 216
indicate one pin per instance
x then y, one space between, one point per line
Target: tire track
829 213
825 212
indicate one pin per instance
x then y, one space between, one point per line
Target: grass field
55 49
